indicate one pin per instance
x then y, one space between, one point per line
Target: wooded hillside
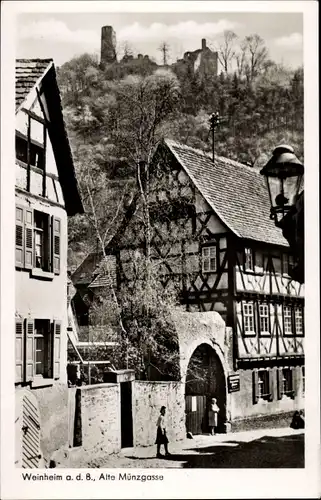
117 115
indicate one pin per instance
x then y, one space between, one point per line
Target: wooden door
195 407
31 454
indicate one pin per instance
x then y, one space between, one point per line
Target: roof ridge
207 155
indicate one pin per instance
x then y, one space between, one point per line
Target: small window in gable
248 259
209 259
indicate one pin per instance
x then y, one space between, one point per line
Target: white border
222 483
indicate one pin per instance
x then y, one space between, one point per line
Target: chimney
108 46
203 43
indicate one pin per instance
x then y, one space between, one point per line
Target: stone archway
204 380
206 333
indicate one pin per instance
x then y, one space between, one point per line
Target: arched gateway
204 380
204 353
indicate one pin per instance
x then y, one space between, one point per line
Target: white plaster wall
45 299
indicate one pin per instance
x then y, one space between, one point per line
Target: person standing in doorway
161 436
213 416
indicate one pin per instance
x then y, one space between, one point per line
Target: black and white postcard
159 271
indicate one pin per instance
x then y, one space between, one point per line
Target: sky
62 36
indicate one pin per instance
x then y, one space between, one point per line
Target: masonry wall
54 416
97 418
148 397
54 405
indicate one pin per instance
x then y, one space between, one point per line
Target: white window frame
288 321
209 259
249 321
298 318
264 319
287 392
263 384
248 259
46 349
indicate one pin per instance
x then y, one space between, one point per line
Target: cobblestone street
262 448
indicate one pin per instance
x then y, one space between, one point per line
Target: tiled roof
84 273
102 276
28 72
237 193
91 271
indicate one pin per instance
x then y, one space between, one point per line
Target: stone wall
53 405
148 397
97 419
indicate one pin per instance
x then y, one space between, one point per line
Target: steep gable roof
40 74
28 72
237 193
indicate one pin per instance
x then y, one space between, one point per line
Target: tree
128 124
226 49
127 50
257 54
164 48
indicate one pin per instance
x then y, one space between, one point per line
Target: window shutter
280 382
56 347
56 235
19 376
19 236
30 349
28 238
48 247
255 384
271 385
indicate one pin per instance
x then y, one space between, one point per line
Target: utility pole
214 122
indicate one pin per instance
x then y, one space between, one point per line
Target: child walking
161 437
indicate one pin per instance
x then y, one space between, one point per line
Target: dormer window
209 259
248 259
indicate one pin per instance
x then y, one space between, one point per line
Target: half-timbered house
46 192
211 236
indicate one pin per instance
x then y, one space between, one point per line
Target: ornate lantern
283 174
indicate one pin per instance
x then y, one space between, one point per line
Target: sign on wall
233 383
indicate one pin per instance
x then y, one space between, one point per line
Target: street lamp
284 174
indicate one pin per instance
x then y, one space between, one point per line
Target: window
248 314
38 346
287 262
42 348
262 385
264 319
41 241
285 382
36 152
31 155
248 259
298 316
287 314
209 262
37 240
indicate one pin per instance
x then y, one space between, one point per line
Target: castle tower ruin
108 46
